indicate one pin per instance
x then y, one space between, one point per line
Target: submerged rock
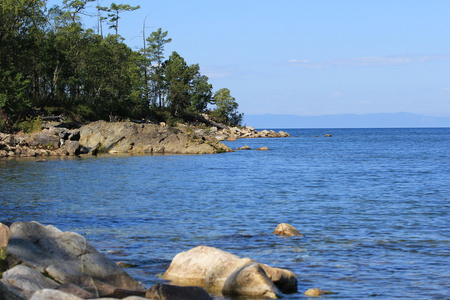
287 230
245 147
315 292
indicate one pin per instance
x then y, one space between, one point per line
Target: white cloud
305 61
218 75
370 61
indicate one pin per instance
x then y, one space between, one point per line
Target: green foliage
226 108
48 60
30 125
2 253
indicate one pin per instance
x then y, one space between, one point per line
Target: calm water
373 204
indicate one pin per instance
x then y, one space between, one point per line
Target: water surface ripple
372 203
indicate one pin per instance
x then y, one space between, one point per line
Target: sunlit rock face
128 137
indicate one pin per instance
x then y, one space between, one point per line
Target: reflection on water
372 203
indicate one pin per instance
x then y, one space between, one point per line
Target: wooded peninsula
51 66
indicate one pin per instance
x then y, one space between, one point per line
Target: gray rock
72 289
8 293
42 246
28 279
47 294
72 147
44 138
170 292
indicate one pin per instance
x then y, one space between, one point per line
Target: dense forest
50 65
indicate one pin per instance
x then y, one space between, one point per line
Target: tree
154 54
114 11
21 30
177 79
226 108
201 93
75 7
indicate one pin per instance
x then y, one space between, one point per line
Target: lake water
373 204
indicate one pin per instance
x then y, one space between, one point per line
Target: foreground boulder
128 137
8 293
222 272
35 250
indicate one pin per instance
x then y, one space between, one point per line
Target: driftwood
53 118
209 122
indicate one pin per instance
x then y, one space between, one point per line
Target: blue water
373 204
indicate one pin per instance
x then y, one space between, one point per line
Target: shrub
31 125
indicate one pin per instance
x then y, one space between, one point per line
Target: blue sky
311 57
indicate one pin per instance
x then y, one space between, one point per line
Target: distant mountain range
380 120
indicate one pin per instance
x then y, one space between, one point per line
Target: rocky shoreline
41 262
124 137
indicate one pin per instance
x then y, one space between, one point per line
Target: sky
308 58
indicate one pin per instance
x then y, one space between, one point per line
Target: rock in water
285 280
249 279
287 230
191 267
316 292
222 272
170 292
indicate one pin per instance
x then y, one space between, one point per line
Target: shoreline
59 139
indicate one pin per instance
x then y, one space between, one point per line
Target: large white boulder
222 272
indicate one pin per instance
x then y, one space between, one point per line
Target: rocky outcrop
51 141
128 137
222 272
125 137
233 133
44 263
286 230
